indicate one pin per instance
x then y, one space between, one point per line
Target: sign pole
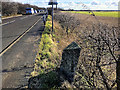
52 2
52 17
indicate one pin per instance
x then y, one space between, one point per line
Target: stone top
73 46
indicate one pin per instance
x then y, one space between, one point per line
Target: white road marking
12 21
24 17
7 23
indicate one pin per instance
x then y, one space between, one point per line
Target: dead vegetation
99 43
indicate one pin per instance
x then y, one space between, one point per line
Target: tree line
13 8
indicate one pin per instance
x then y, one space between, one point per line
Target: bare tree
9 8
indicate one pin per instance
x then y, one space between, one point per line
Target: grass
105 14
47 53
46 60
49 80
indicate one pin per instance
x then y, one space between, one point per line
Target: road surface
18 59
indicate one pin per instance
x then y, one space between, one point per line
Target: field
106 14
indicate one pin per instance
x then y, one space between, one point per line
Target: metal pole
56 6
52 17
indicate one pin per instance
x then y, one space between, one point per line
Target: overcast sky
77 4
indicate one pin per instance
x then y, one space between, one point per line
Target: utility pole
52 2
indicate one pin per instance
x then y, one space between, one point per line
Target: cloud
111 3
95 3
77 5
114 3
103 7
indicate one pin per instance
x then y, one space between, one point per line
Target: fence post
70 57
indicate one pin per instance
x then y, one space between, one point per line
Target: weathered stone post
70 57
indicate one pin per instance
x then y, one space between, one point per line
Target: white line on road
24 17
12 21
7 23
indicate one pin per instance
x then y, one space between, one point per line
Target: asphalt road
17 61
13 27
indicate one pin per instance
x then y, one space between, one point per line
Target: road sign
53 2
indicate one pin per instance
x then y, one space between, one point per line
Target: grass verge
47 55
44 74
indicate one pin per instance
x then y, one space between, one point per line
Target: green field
106 14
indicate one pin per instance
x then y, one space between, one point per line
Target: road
18 57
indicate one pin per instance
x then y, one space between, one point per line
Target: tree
9 8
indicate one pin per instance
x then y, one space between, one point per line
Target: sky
77 4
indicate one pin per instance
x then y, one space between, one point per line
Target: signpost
52 2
